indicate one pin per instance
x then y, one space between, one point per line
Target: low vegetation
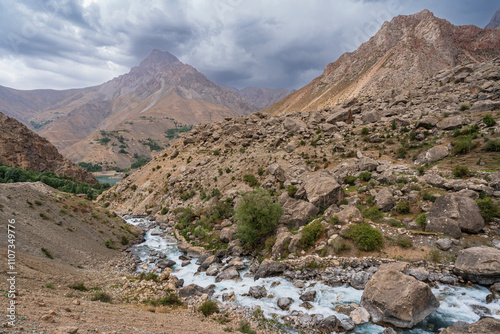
365 237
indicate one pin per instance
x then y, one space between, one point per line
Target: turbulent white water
457 303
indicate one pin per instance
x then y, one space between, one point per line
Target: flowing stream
457 303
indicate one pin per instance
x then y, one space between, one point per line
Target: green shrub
80 286
245 328
421 220
260 171
461 171
403 207
464 107
339 246
164 210
428 197
463 145
373 213
492 146
404 241
124 240
350 179
170 299
149 277
311 233
250 179
365 176
110 244
489 120
365 237
208 308
364 131
489 209
401 152
291 190
47 253
257 216
101 296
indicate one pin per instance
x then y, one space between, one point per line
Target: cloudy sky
62 44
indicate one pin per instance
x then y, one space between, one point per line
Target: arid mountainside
263 97
21 147
405 50
494 22
160 94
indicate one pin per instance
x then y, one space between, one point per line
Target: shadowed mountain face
495 21
409 48
263 97
133 110
21 147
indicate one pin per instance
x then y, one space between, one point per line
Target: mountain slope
138 107
23 148
495 21
263 97
407 49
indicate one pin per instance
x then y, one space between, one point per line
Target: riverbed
457 303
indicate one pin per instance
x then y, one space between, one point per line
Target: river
457 303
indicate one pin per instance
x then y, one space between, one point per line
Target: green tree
257 216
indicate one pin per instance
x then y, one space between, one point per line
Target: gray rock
349 214
193 290
165 263
483 326
230 273
257 292
346 325
328 324
359 280
393 297
308 296
371 117
451 123
278 172
292 124
389 331
419 273
433 154
269 268
479 265
360 316
296 212
284 303
367 164
227 234
279 248
384 199
322 191
444 244
453 214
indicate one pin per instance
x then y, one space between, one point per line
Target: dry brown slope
20 147
407 49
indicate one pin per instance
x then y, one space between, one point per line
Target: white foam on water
456 303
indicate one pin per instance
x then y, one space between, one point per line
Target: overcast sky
63 44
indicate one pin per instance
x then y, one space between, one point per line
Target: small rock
444 244
308 296
284 303
360 316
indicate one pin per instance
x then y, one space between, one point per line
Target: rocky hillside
411 162
407 49
494 22
21 147
263 97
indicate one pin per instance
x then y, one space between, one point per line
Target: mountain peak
495 21
158 59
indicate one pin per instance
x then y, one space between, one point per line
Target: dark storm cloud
76 43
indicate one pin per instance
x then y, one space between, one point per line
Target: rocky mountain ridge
407 49
20 147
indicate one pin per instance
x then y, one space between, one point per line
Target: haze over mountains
133 110
405 50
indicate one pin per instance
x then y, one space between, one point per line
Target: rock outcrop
395 298
479 265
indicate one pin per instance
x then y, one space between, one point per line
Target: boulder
453 214
419 273
346 325
257 292
165 263
328 325
393 297
296 212
384 199
483 326
349 214
269 268
371 117
207 262
451 123
360 316
367 164
227 233
284 303
229 273
322 190
281 244
444 244
359 280
308 296
433 154
278 172
427 122
191 251
340 115
293 124
479 265
193 290
488 105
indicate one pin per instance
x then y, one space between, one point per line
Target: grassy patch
365 237
208 308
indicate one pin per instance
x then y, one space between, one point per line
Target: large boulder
479 265
296 212
229 273
451 123
433 154
227 233
323 190
395 298
283 237
293 124
384 199
349 214
328 324
371 116
191 251
193 290
269 268
278 172
257 292
483 326
284 303
453 214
